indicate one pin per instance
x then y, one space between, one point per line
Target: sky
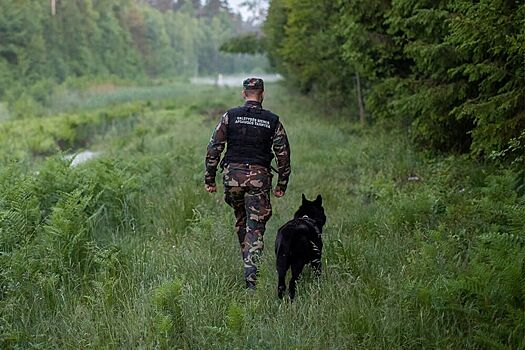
234 4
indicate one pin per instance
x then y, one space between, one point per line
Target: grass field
128 251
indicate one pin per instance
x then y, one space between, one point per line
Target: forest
450 72
43 46
407 116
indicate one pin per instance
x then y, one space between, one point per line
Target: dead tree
362 116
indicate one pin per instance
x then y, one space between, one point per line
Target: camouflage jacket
247 175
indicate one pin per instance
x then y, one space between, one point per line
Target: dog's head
313 209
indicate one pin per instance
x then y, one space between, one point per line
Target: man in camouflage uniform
251 133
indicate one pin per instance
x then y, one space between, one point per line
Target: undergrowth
128 251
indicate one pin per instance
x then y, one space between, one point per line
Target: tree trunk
362 116
53 7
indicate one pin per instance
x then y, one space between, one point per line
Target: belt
249 166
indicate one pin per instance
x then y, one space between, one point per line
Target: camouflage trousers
252 210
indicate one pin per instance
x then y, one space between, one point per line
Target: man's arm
213 153
281 148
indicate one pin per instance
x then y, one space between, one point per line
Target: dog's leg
297 268
316 264
282 268
282 250
281 284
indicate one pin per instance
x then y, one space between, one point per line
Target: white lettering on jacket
253 121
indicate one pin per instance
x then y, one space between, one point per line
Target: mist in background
46 44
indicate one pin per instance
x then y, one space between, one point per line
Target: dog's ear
319 200
304 199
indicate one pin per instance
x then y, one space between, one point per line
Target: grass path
162 268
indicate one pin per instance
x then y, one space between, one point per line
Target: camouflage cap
253 84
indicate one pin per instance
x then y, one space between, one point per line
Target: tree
489 38
162 5
213 7
450 72
273 29
303 42
93 38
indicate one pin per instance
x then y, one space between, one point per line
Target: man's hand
278 193
210 188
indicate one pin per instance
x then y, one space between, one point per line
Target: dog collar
311 222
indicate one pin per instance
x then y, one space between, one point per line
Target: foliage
450 72
128 251
125 38
249 44
274 31
301 37
169 319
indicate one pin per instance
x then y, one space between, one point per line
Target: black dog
299 242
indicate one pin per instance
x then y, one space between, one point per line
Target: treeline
452 72
46 42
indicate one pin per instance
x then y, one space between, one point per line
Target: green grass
128 251
103 95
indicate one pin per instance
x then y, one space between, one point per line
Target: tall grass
128 251
103 95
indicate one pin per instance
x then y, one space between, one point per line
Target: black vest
250 135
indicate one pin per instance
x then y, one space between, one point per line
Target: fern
169 320
517 220
19 214
65 238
